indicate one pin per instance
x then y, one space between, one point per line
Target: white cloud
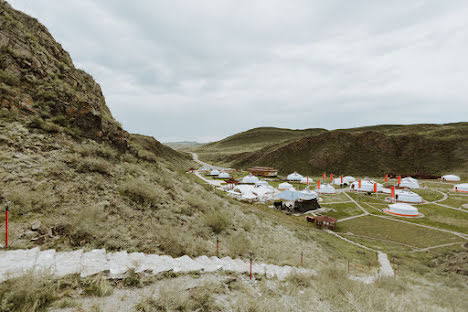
206 69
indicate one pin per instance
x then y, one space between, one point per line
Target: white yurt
461 188
224 175
310 194
250 179
262 183
214 172
285 186
204 168
409 182
450 178
402 209
326 189
346 180
408 197
306 180
366 186
295 177
243 189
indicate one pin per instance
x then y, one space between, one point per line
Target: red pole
399 180
375 187
6 227
217 247
348 266
386 178
324 176
318 184
341 179
331 177
359 183
251 257
393 192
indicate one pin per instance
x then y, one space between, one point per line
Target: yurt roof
403 206
451 177
224 175
295 176
214 172
250 179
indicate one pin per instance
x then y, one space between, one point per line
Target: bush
90 164
142 192
98 150
239 244
146 155
97 286
27 293
25 199
217 221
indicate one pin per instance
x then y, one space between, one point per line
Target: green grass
455 201
429 195
344 210
396 231
442 217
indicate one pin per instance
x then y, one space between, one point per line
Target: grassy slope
368 150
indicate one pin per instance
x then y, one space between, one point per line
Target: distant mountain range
373 150
183 145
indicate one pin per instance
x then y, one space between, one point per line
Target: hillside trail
15 263
197 160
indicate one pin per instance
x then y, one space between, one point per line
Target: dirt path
15 263
197 160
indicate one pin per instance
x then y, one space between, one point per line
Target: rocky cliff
38 78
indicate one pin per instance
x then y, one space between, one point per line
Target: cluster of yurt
450 178
204 168
249 179
294 177
260 190
346 180
306 180
326 189
409 182
366 186
402 209
461 188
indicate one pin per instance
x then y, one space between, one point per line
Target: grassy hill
69 169
374 150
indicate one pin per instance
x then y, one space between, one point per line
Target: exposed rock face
38 77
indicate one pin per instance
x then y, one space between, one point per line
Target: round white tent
312 194
366 186
295 177
450 178
408 197
346 180
262 183
285 186
214 173
409 182
250 179
401 209
306 180
461 188
224 175
326 189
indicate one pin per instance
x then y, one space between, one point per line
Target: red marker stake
6 227
217 247
331 177
251 258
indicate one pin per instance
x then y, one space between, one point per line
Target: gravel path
15 263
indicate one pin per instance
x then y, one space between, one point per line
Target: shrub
25 199
27 293
217 221
90 164
98 150
142 192
239 244
146 155
97 286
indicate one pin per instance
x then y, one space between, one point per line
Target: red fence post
6 227
217 247
251 259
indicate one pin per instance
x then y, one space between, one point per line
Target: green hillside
374 150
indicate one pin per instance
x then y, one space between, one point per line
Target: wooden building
263 171
323 221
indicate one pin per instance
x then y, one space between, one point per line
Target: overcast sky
203 70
